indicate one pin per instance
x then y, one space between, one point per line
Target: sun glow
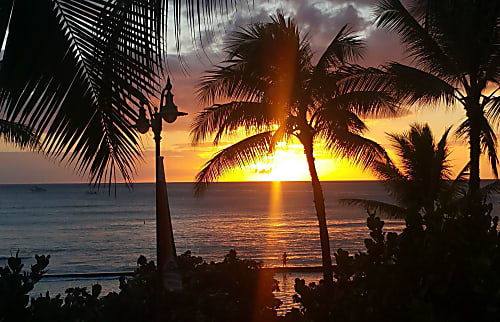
288 163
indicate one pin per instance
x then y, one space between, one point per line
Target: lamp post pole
164 235
156 126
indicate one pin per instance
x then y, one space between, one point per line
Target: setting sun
288 163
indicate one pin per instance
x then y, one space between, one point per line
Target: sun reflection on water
274 243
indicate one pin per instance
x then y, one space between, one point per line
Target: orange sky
183 160
322 19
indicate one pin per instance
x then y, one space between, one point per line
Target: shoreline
275 269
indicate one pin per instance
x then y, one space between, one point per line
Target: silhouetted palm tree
276 93
422 183
78 71
454 45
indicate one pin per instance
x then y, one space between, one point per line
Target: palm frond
262 58
458 187
492 108
18 134
488 140
407 85
79 78
234 81
417 86
5 11
357 149
221 119
378 207
283 133
198 15
489 143
344 48
240 154
332 116
420 43
368 103
79 71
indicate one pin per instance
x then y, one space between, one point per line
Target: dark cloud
383 47
321 19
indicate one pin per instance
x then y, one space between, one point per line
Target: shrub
232 290
444 268
16 284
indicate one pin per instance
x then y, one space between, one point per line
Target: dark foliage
232 290
15 286
440 268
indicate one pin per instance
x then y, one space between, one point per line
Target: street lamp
168 111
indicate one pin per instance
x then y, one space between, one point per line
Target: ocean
84 231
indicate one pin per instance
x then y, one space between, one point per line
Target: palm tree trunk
475 152
319 204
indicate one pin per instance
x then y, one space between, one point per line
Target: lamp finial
169 84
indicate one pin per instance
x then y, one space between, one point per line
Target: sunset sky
321 19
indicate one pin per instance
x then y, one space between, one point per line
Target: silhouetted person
284 258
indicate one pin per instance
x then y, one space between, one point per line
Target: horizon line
189 182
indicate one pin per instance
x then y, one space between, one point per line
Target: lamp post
168 112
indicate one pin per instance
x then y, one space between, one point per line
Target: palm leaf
493 108
17 134
377 207
458 187
235 81
420 43
407 85
343 49
79 78
357 149
221 119
5 11
368 103
240 154
417 86
79 71
488 140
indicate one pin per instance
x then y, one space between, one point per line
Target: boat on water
37 189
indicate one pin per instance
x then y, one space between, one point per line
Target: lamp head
142 124
169 110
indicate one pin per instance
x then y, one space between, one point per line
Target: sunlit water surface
86 232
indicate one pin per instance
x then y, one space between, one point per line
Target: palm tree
454 45
274 91
422 183
76 73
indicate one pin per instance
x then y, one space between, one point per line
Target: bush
444 268
232 290
16 284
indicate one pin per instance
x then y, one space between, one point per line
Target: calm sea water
85 232
99 233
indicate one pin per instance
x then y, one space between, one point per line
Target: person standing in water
284 258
